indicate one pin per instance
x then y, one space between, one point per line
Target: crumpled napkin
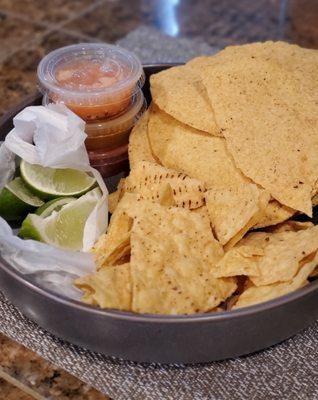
52 136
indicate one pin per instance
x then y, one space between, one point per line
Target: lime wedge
64 228
53 205
49 183
16 200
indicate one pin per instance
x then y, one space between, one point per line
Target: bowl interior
6 124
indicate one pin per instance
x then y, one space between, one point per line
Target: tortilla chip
114 245
293 226
197 63
234 210
302 63
172 254
235 263
283 254
184 149
139 148
269 258
108 288
203 211
314 273
179 92
260 294
314 200
147 179
114 198
274 214
269 126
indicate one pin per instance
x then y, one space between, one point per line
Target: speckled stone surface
53 11
41 376
10 392
31 28
28 30
219 23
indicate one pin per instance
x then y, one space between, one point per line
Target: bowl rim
134 317
157 318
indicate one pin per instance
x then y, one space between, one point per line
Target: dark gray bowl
155 338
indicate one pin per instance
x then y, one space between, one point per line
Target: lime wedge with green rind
49 183
16 200
53 205
64 228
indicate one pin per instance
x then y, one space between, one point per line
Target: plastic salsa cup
110 133
115 132
110 162
95 80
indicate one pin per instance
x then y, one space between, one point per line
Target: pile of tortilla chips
223 160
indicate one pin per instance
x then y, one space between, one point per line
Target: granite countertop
37 377
28 31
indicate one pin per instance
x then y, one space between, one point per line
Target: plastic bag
52 136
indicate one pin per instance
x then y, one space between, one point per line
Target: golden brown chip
283 254
114 246
108 288
314 200
269 126
298 63
269 258
113 198
260 294
172 254
184 149
293 226
148 179
179 92
302 63
198 63
240 260
234 210
314 273
274 214
165 196
115 243
139 149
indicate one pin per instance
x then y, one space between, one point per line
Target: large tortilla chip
269 258
147 179
271 129
260 294
302 63
108 288
234 210
179 92
172 255
139 149
184 149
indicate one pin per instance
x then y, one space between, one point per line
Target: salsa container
158 338
95 80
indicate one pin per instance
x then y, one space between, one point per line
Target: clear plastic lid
90 74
